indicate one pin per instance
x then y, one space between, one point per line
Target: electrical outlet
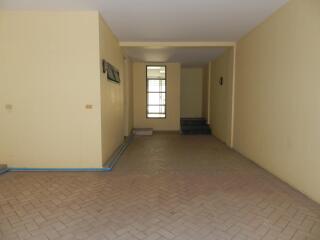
8 107
89 106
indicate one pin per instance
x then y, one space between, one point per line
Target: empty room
159 120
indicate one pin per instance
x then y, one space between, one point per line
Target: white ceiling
167 20
187 56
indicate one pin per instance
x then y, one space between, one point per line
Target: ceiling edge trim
177 44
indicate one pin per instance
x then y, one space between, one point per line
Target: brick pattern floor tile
165 187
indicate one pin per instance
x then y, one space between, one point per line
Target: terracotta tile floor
165 187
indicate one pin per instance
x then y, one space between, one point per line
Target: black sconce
104 66
221 81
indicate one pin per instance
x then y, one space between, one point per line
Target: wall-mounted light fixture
104 66
221 81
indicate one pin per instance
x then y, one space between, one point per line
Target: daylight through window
156 91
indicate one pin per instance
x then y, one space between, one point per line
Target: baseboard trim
58 169
4 170
167 131
106 167
118 153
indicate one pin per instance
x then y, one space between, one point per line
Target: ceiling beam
177 44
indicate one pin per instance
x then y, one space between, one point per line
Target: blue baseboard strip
118 153
2 171
107 167
59 169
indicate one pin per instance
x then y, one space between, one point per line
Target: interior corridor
165 186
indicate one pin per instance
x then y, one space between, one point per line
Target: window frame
165 93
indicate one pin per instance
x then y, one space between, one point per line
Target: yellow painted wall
172 121
128 97
112 94
277 100
221 96
49 72
205 91
191 92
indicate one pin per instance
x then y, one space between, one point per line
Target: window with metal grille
156 91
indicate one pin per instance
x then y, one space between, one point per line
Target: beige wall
112 96
128 97
172 121
191 92
205 92
277 98
49 72
221 96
